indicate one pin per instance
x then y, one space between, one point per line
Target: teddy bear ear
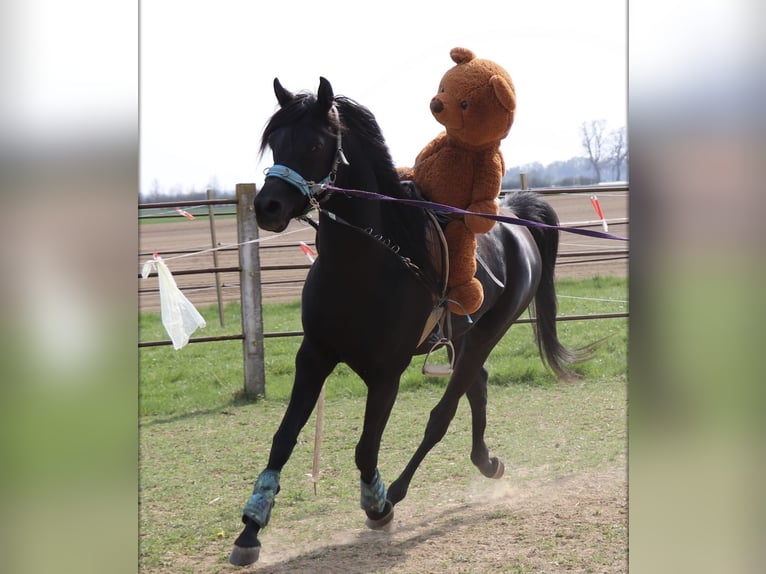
461 55
283 96
504 92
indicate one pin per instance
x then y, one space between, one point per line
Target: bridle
314 191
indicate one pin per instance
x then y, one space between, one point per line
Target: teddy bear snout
436 105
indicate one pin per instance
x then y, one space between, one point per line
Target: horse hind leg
438 422
469 378
491 467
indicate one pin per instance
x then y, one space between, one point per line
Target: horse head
304 137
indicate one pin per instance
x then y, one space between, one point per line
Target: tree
593 138
574 171
618 151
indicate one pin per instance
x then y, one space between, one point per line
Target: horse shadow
369 551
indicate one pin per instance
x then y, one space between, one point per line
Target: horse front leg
311 370
381 396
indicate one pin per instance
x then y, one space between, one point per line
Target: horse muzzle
276 204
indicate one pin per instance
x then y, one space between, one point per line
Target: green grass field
202 444
207 376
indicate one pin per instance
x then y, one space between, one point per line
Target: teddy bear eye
464 105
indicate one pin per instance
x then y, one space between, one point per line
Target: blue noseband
307 188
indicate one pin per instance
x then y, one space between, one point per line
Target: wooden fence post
214 241
250 292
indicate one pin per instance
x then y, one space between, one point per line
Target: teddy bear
463 166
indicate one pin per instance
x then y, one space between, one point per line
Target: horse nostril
436 105
268 208
272 207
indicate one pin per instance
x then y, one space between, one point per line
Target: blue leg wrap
258 507
373 495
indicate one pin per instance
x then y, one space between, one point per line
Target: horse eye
316 146
464 105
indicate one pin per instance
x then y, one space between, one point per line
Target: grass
197 470
201 377
202 445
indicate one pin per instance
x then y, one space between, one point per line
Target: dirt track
575 524
280 285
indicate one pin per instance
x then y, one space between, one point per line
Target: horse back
509 267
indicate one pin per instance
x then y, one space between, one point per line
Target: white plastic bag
179 317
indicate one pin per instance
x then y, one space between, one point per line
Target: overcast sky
206 72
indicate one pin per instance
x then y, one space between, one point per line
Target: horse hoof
500 469
384 520
244 556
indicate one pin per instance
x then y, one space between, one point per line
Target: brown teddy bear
463 166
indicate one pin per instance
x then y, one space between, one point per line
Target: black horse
373 292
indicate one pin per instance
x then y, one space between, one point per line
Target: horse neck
376 227
363 174
356 212
371 169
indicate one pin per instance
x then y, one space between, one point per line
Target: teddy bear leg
469 295
463 287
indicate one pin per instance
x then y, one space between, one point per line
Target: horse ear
325 95
283 96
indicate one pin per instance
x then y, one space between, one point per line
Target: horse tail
557 356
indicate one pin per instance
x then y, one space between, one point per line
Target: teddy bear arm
484 196
488 178
482 224
486 189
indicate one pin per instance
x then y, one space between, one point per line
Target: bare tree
593 138
618 151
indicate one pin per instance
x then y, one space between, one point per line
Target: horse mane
360 123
